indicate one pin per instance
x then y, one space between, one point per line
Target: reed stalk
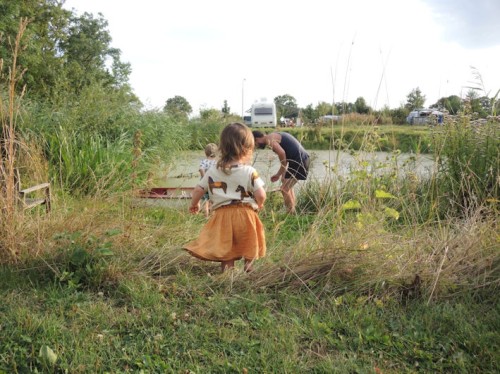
9 109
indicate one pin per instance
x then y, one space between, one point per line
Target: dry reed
9 110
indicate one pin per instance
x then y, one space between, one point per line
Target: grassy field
106 288
379 273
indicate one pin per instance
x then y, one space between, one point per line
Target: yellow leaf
380 194
47 354
351 204
393 213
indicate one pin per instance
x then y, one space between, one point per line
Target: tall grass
10 102
89 164
91 150
469 160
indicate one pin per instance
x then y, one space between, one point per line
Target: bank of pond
408 139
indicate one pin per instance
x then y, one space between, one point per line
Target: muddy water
325 165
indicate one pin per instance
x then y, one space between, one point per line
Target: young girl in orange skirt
234 230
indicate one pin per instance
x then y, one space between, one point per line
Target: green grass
113 292
196 323
377 273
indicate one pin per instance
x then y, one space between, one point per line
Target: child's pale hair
236 142
211 150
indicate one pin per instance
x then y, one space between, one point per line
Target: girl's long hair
236 142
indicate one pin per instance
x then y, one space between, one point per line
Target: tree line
287 107
65 54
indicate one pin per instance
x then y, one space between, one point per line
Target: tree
63 53
178 107
323 108
344 108
476 104
399 115
86 51
415 99
210 114
453 104
39 56
286 106
361 107
226 110
309 113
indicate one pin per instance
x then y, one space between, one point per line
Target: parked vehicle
425 116
330 118
247 120
263 114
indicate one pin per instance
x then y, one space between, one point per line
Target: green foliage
352 137
415 100
453 104
204 131
84 262
63 53
40 56
399 115
226 110
286 106
88 139
361 107
178 107
89 164
193 323
469 159
477 100
211 115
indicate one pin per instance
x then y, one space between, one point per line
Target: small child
234 230
205 164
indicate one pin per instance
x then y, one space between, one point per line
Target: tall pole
243 98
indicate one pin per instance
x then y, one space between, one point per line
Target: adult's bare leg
289 194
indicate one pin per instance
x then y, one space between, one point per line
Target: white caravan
264 114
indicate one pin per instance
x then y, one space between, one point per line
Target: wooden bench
31 202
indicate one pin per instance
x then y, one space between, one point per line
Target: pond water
325 165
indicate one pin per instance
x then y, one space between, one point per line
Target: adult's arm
280 152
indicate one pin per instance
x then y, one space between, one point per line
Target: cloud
471 24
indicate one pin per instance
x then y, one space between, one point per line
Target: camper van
263 114
424 117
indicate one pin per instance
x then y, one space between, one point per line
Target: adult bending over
294 162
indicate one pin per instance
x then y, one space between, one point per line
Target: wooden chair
31 202
29 197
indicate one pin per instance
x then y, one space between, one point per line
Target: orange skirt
231 233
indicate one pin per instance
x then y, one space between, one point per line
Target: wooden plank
31 203
35 188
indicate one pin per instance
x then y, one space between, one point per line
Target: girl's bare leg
248 266
224 265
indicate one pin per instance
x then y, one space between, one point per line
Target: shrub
469 159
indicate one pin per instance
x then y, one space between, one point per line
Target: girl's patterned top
235 187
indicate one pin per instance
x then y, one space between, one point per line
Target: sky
316 51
